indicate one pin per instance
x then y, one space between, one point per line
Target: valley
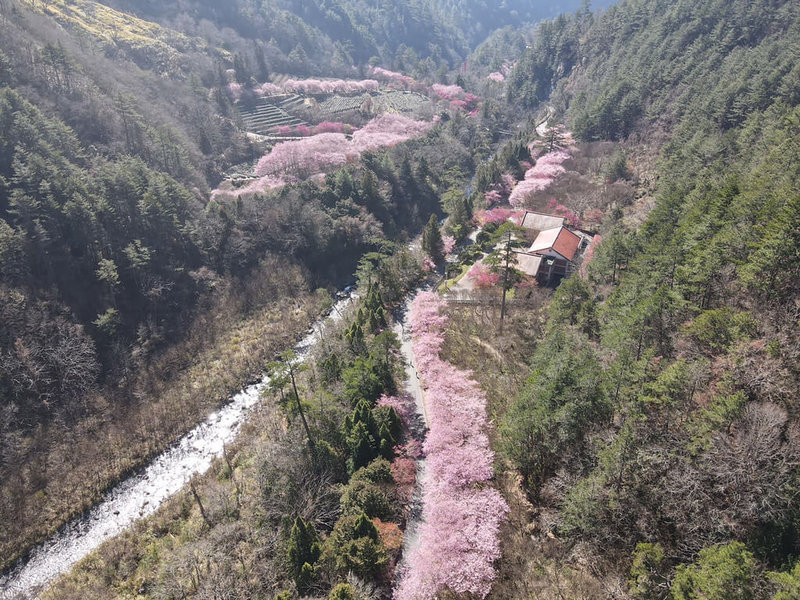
564 362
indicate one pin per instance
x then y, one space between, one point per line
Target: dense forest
122 284
655 432
161 246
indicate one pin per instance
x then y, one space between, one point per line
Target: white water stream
141 494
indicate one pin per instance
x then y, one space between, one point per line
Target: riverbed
141 494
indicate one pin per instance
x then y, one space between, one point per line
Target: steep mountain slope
656 434
131 304
416 36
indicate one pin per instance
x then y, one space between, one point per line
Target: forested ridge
131 304
656 429
643 412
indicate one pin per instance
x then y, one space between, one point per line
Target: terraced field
336 105
391 101
268 114
401 102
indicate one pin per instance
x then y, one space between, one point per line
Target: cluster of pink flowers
388 130
286 130
332 127
298 159
501 190
497 77
316 87
537 148
496 215
392 76
448 242
482 277
459 536
500 75
539 177
594 216
562 211
235 90
258 186
447 92
458 98
268 89
404 472
402 405
329 86
587 258
493 197
403 467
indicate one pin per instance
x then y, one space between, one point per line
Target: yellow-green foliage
146 43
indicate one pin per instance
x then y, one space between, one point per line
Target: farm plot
289 102
400 101
391 101
336 105
264 117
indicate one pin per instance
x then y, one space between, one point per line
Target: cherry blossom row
315 87
462 513
295 160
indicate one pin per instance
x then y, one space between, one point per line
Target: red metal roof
560 240
567 243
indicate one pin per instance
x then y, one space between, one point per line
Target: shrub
361 496
302 552
354 546
722 571
343 591
646 576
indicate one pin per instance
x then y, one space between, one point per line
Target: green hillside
685 483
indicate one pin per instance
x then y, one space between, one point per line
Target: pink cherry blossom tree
316 87
447 92
388 130
562 211
268 89
496 215
332 127
589 256
482 277
299 159
539 176
493 197
235 90
448 243
392 76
